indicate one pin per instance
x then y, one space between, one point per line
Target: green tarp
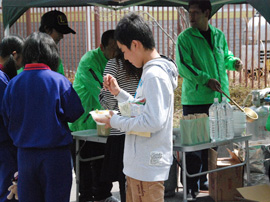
13 9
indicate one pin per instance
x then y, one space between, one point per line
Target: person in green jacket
55 24
88 83
203 59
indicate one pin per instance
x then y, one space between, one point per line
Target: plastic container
239 123
267 99
213 120
102 131
257 128
267 102
263 113
229 129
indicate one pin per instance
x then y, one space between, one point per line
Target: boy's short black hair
133 27
106 36
39 47
203 5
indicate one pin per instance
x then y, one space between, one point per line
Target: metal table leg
184 177
77 171
78 160
247 162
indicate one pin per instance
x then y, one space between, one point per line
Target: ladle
251 115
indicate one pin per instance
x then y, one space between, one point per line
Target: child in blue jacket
36 107
10 61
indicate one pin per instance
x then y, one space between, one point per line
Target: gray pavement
202 197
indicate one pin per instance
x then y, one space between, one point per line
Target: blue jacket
36 107
4 79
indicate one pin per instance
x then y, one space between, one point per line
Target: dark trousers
91 188
45 175
8 166
112 169
196 161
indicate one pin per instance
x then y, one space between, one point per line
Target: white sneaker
111 199
191 196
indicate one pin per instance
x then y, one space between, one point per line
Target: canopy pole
6 33
97 27
89 28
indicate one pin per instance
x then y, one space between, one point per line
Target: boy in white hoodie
147 160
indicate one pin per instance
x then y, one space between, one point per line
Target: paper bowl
101 114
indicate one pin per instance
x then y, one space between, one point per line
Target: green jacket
60 68
88 88
197 63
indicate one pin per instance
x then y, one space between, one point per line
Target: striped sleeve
129 84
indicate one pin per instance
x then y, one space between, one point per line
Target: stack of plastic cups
239 125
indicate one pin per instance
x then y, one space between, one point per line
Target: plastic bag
132 108
194 131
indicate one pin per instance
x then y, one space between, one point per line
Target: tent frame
13 9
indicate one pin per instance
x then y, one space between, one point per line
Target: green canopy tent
13 9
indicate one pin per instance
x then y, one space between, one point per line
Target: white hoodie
150 158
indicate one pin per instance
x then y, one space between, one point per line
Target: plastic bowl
239 114
238 129
239 117
240 125
238 132
100 114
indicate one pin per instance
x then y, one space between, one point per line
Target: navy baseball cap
56 20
